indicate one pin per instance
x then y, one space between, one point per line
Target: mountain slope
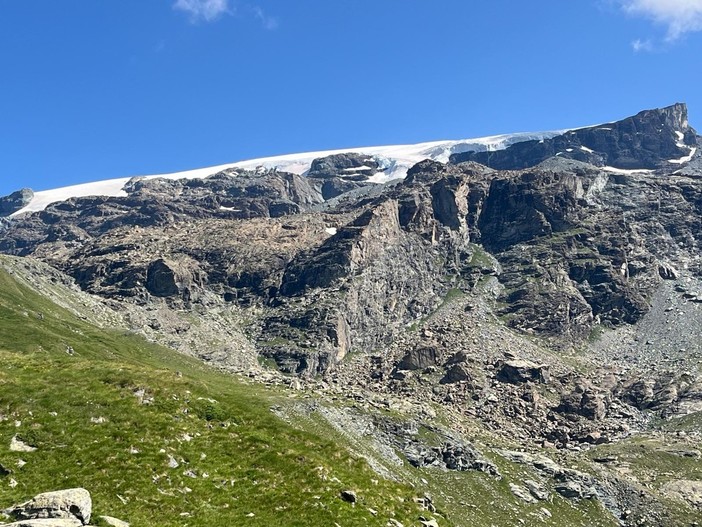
159 439
446 321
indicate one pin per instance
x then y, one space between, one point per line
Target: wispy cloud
268 22
678 16
639 45
204 10
211 10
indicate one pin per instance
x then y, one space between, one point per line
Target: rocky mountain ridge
519 293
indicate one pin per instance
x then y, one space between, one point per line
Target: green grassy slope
110 416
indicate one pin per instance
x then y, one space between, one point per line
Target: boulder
519 371
456 373
17 445
419 358
575 490
348 496
584 400
71 504
522 493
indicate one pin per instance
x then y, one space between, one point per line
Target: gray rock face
15 201
568 246
648 140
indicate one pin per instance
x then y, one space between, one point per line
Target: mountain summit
652 139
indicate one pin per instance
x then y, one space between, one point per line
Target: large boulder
419 358
518 371
70 504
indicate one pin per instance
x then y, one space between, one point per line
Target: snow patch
684 159
357 169
586 149
615 170
331 230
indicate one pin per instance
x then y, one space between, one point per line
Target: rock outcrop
15 201
652 139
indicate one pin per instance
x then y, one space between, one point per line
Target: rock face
651 139
572 246
15 201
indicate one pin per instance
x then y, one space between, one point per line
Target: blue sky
99 89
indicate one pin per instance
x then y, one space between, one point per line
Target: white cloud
207 10
268 22
679 16
642 45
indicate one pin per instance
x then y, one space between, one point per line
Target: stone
456 373
520 371
70 504
537 490
17 445
521 493
575 490
348 496
114 522
419 358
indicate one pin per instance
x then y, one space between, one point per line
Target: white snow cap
395 161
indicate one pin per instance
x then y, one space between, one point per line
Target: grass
111 414
653 462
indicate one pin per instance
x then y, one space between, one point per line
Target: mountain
516 314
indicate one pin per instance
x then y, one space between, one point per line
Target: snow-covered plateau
395 161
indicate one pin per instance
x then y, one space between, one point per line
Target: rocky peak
656 139
15 201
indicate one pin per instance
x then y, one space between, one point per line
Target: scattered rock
348 496
17 445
